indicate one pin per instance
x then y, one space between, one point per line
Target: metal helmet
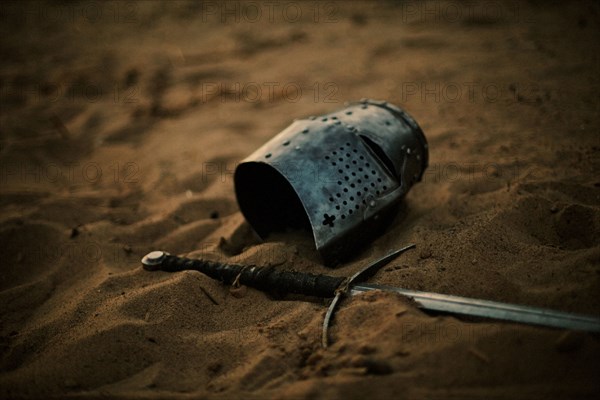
340 175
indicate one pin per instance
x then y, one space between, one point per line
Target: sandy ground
121 125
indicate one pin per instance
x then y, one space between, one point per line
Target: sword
490 309
271 279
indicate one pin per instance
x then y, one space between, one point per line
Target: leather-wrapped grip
262 278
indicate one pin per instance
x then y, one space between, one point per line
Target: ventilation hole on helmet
334 117
359 181
357 193
338 195
331 199
354 174
372 184
384 187
354 162
350 211
268 155
344 202
352 185
305 131
339 182
366 176
342 148
334 152
327 157
337 207
340 171
377 192
347 143
347 154
361 157
328 219
343 216
347 166
356 151
351 198
366 189
378 179
348 112
360 169
324 119
286 142
333 163
387 123
364 202
345 190
357 206
340 159
367 165
346 178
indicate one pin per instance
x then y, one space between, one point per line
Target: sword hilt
262 278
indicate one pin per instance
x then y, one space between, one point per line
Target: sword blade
490 309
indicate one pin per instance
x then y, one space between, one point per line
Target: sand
121 124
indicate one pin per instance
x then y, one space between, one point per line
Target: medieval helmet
340 175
